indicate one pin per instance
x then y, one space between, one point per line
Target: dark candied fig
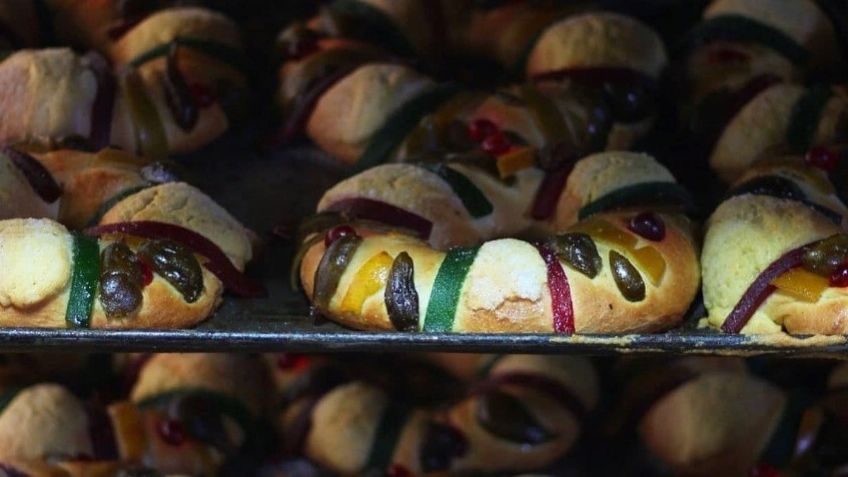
120 296
178 95
202 421
117 257
121 281
599 121
578 250
336 233
400 296
628 103
626 277
333 264
456 137
773 186
826 256
441 445
176 264
648 225
506 417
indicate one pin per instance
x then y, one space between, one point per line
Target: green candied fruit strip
806 116
472 198
400 123
447 289
84 281
666 194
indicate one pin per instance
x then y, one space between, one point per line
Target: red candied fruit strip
217 261
757 293
547 196
379 211
561 305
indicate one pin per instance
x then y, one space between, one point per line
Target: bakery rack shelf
265 189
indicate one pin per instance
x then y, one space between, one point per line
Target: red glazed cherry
822 157
172 432
480 129
728 55
839 278
202 95
764 470
496 144
648 225
291 361
146 272
336 233
397 470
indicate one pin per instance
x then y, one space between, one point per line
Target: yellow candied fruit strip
606 232
516 160
648 258
369 279
651 261
801 284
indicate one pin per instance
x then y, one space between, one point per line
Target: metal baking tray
265 188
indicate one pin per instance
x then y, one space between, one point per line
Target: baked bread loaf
742 93
186 415
782 116
161 86
772 264
631 270
356 427
586 91
163 256
710 416
693 419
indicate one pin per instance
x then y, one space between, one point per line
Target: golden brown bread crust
598 40
345 420
506 288
240 376
803 21
423 193
744 236
90 180
367 96
813 182
348 115
49 93
761 126
45 95
17 196
42 421
716 424
42 248
27 245
182 204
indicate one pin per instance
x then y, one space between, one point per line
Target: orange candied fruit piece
369 279
648 259
801 284
518 159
